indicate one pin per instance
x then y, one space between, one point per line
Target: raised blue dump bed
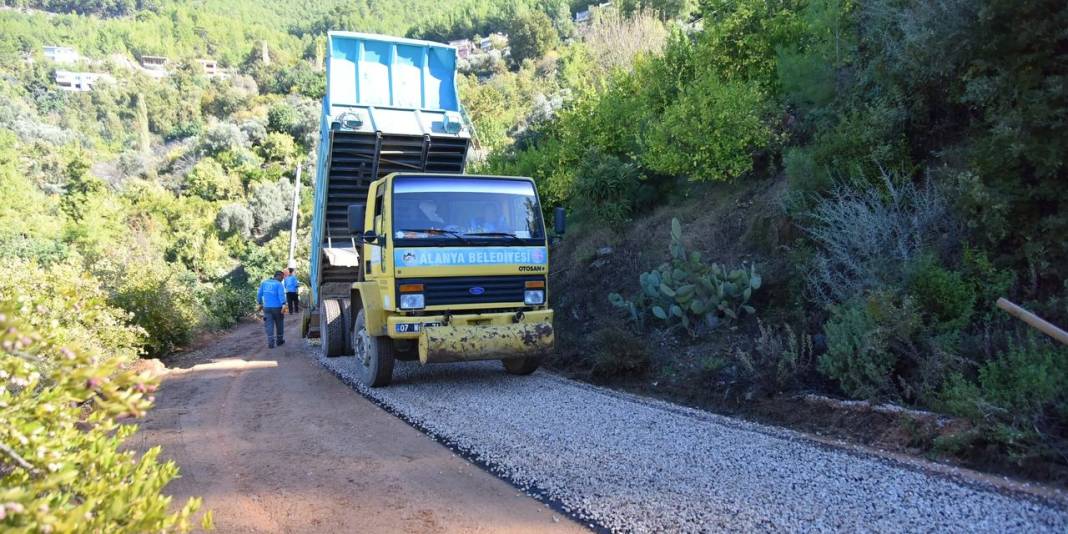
391 105
373 70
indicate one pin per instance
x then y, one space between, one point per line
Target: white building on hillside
79 81
463 47
61 54
210 66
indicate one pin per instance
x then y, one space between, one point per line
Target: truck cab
454 268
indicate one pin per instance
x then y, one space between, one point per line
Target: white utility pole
293 226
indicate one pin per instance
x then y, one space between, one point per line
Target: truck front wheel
521 366
374 354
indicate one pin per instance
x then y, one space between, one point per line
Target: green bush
945 297
618 352
73 306
1018 401
865 341
162 300
210 181
530 36
605 189
64 467
235 219
711 132
687 293
226 303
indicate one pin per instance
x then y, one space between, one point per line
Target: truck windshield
441 207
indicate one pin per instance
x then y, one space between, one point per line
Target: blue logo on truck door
453 256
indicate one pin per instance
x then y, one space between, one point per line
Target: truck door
372 253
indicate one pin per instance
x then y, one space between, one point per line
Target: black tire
521 366
374 355
331 328
346 316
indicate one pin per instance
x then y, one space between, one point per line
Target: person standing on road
272 300
292 285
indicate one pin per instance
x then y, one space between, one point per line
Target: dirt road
274 443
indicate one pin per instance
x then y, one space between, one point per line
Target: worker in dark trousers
292 286
272 300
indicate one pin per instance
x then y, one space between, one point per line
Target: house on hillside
154 62
79 81
210 67
61 54
582 18
463 47
485 44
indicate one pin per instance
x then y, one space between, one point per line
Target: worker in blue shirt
272 298
291 284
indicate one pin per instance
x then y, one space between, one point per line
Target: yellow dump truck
411 258
453 268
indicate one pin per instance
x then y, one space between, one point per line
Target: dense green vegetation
921 146
906 161
144 212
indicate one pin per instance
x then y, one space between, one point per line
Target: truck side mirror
559 221
356 218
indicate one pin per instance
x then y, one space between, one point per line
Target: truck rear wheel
521 366
374 354
346 328
332 328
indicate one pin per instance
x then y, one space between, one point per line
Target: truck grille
471 289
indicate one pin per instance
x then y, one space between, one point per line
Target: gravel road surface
631 464
275 443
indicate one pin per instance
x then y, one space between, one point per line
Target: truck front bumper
482 336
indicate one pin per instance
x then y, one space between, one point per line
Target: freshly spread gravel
628 464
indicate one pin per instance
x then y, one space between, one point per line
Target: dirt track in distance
274 443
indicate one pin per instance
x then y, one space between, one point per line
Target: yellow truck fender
366 297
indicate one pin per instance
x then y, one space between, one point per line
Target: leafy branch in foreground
61 464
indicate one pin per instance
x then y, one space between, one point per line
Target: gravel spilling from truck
630 464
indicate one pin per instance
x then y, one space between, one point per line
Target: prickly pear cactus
687 293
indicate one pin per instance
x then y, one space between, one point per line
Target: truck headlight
533 297
411 301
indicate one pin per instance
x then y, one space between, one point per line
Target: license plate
405 328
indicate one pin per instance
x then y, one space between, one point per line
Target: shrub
989 282
184 130
279 147
605 188
530 35
66 470
710 132
805 176
254 131
945 297
270 204
1018 401
687 293
235 219
779 358
162 300
222 137
73 306
226 303
618 352
867 238
298 117
210 181
865 339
